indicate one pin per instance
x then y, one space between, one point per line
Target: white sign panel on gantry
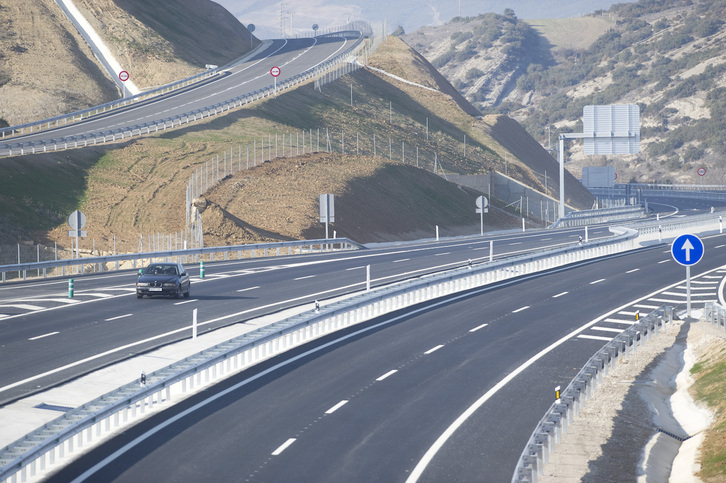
611 129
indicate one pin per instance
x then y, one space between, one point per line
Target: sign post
482 206
123 76
327 211
687 250
274 72
77 220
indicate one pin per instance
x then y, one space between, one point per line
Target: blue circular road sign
687 250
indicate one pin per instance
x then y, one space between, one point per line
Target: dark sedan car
163 279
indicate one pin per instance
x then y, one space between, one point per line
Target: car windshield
161 270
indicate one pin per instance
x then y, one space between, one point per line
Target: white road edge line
283 446
337 406
441 440
44 335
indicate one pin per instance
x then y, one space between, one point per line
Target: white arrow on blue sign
687 250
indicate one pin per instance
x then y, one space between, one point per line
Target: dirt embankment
47 69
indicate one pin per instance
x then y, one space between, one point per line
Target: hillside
47 69
665 56
137 187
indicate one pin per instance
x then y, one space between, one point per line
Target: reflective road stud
70 288
201 269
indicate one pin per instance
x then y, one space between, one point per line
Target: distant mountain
272 18
665 56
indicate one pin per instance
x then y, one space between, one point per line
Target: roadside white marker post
194 324
482 207
586 235
437 232
368 278
720 224
491 250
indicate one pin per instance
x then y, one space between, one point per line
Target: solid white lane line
337 406
633 270
283 446
434 349
387 374
118 317
248 288
559 295
303 278
597 281
477 328
44 335
520 309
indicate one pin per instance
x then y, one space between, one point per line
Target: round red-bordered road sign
701 171
275 71
123 76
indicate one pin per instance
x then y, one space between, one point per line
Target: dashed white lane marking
186 302
594 337
520 309
434 349
633 270
477 328
354 268
597 281
337 406
663 261
119 317
401 260
248 289
283 446
386 375
516 243
559 295
439 254
303 278
44 335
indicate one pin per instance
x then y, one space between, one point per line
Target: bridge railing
563 411
42 449
602 215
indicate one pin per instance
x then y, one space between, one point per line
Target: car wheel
139 295
186 294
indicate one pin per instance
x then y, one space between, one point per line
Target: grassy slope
138 187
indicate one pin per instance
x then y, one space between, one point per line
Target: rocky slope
665 56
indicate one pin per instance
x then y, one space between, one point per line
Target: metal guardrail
715 314
169 122
554 423
41 449
104 263
591 217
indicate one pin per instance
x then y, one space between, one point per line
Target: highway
373 402
48 338
292 56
